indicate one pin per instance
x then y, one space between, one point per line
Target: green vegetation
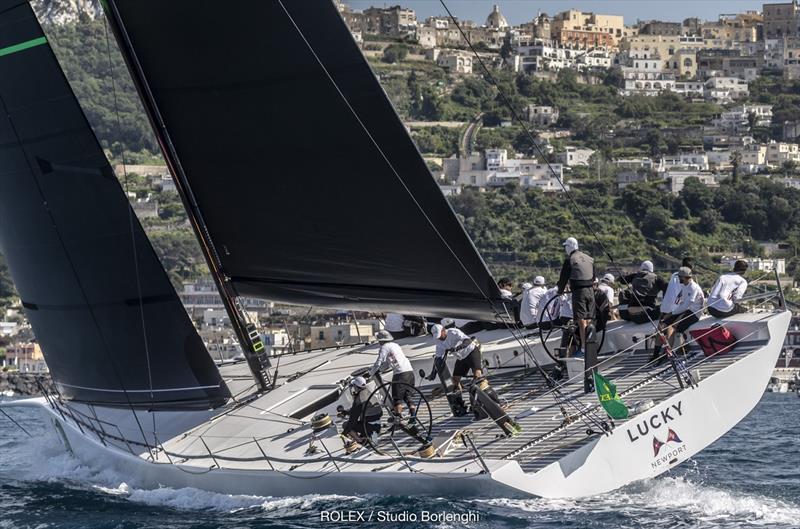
83 53
395 53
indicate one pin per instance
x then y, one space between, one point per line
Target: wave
665 497
195 499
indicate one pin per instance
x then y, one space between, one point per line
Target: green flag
609 399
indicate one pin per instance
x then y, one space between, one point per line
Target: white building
573 156
542 115
677 179
725 89
758 264
779 152
544 54
455 61
494 168
276 341
697 161
754 157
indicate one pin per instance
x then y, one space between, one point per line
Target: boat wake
40 467
664 501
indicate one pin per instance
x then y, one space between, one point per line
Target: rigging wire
132 231
18 425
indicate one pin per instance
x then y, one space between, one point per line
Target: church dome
496 19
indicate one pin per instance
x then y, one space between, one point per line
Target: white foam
195 499
676 495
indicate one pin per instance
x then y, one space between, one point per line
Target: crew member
644 286
728 291
602 306
466 349
356 426
606 287
529 308
688 307
505 286
403 374
673 289
578 271
547 312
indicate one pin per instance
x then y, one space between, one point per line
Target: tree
395 53
697 196
654 139
708 222
736 161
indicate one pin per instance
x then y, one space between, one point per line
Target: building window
321 335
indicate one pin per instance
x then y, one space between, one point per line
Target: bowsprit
654 421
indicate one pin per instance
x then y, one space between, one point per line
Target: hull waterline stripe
22 46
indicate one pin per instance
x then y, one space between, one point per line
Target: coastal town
666 107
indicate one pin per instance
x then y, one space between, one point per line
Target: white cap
359 382
526 286
608 278
647 266
538 281
571 241
436 331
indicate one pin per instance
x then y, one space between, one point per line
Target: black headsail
110 324
309 187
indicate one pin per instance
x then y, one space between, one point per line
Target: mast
248 337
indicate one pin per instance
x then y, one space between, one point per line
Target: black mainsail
111 326
309 188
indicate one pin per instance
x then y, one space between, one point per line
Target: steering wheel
395 432
545 335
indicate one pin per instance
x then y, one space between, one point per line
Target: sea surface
749 478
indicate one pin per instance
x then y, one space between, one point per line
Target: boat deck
636 379
273 431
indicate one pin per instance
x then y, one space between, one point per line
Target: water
750 478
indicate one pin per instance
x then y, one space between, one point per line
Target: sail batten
308 183
111 326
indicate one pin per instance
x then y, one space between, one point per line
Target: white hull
696 416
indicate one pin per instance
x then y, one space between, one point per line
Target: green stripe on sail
609 398
23 46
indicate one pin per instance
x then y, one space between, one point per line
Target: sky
519 11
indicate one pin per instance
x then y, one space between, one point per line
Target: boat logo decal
654 422
672 437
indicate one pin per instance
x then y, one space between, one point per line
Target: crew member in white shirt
403 374
505 286
727 291
688 306
674 286
466 350
529 307
547 312
605 287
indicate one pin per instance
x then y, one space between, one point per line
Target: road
468 138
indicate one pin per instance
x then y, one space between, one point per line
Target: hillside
518 231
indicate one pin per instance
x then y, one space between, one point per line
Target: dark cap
740 266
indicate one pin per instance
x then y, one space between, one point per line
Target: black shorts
737 309
685 320
471 361
583 303
669 319
401 387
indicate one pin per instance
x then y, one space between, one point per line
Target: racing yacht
238 99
